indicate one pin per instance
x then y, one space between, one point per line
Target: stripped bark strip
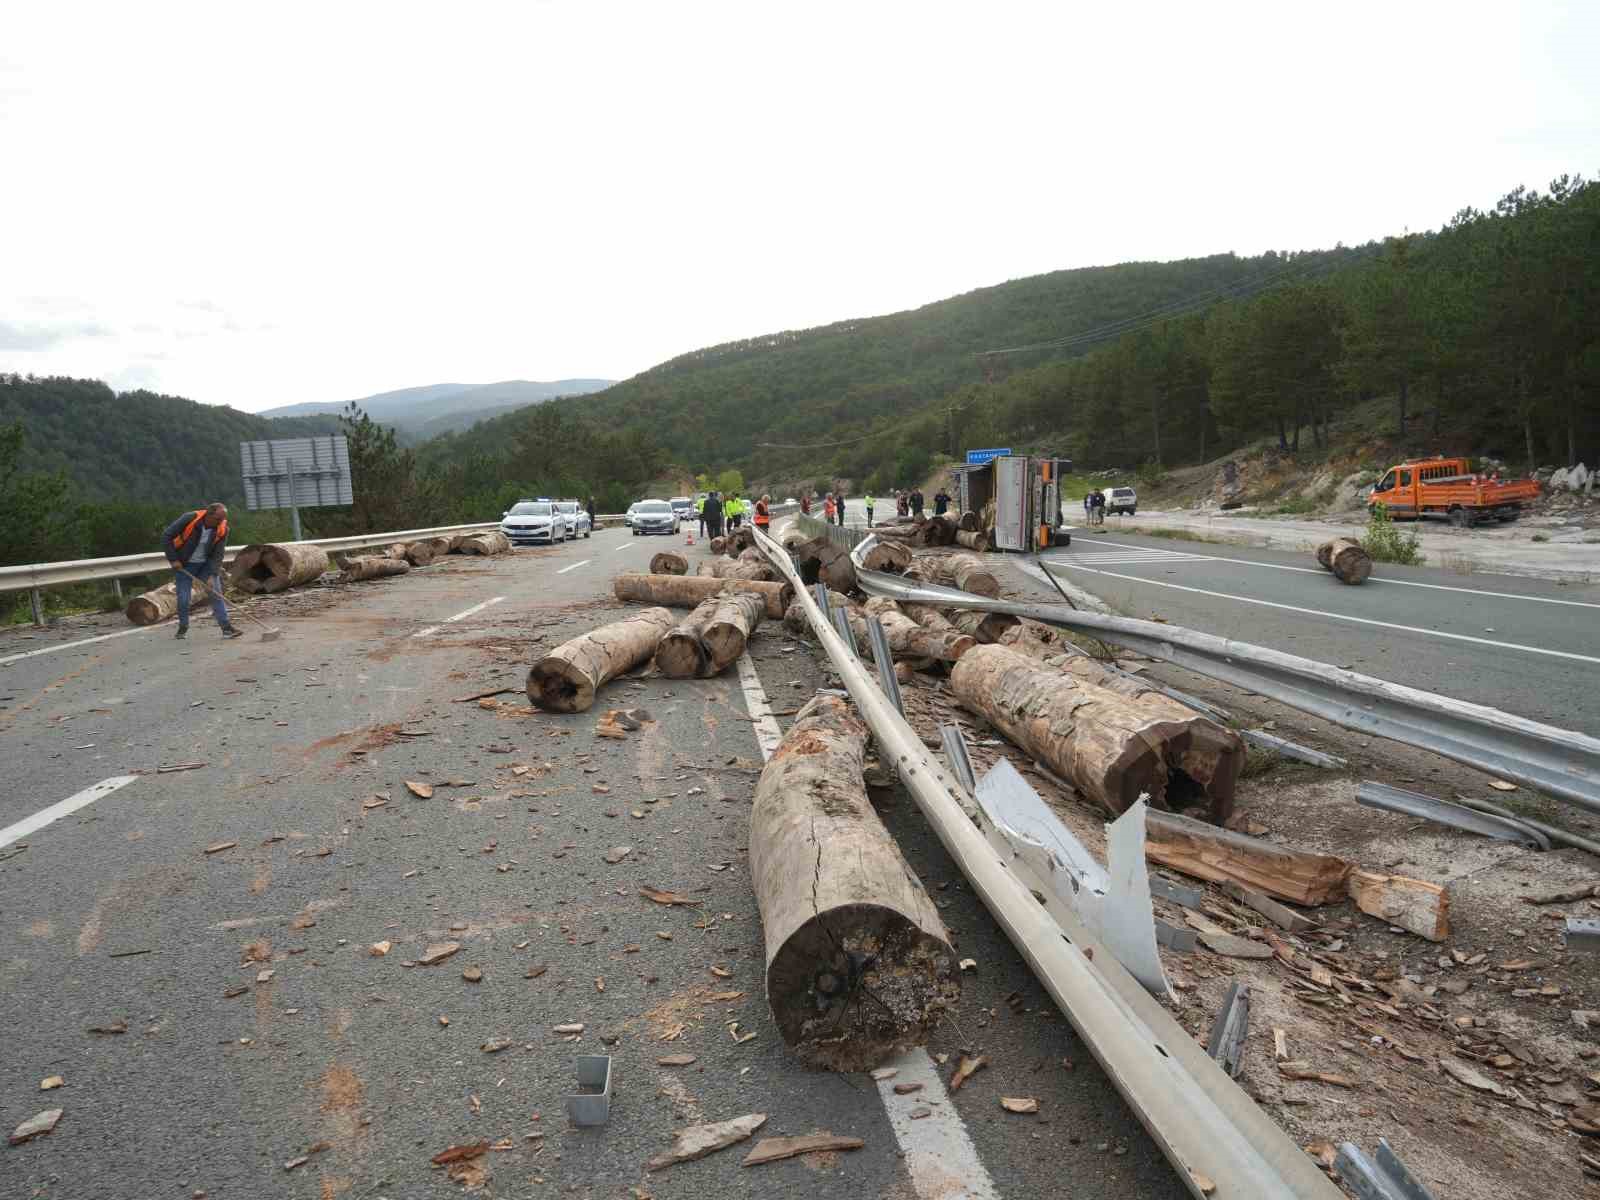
858 962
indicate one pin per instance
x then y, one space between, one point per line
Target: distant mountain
422 412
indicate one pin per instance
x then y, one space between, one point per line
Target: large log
968 572
791 538
973 540
887 556
160 603
859 965
930 618
1221 856
733 568
717 544
372 566
909 639
941 531
493 542
819 559
440 546
737 541
686 591
1109 746
1348 560
986 627
681 653
669 562
419 554
968 522
272 567
566 679
735 618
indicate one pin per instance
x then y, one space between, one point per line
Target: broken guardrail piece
1294 750
592 1107
1415 804
1228 1032
1381 1177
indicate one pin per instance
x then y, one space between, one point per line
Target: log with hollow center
859 965
272 567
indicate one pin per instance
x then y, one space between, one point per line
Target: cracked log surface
566 679
858 962
686 591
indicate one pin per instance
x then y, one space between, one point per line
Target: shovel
268 633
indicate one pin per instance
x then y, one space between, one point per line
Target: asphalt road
1525 645
259 1022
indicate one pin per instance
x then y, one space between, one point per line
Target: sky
259 205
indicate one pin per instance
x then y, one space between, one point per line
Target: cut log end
558 686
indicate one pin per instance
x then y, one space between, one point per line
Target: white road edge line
621 548
1317 612
62 808
575 566
938 1152
460 616
1433 587
104 637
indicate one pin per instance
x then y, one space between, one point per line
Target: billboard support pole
294 501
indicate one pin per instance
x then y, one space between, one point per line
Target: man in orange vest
194 545
763 514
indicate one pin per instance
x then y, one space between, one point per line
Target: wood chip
459 1153
675 1060
775 1148
495 1045
664 897
379 949
51 1082
700 1140
422 791
882 1073
1500 785
1026 1105
1472 1077
437 952
1234 947
112 1027
1301 1071
219 847
36 1126
965 1070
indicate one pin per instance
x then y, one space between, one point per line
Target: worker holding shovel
194 545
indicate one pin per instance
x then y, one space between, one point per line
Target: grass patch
1385 543
1460 564
1183 535
1541 537
1258 762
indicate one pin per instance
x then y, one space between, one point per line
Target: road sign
296 473
976 458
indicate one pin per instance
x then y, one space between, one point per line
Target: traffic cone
688 537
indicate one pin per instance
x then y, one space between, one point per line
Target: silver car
654 516
534 521
578 523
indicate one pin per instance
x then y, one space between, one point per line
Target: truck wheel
1459 517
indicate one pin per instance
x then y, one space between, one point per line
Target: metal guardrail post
36 601
1228 1032
955 753
841 622
885 664
116 590
1381 1177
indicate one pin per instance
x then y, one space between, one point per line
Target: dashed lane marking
575 566
938 1152
62 808
104 637
460 616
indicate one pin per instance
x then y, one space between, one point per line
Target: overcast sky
258 205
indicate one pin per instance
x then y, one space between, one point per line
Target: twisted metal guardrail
1220 1143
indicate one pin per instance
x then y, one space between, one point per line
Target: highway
1525 645
192 951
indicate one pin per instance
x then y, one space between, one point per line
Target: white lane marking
755 699
621 548
937 1149
939 1154
1317 612
1433 587
104 637
62 808
575 566
460 616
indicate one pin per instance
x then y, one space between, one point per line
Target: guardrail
1558 762
36 576
1217 1139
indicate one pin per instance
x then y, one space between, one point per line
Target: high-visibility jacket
700 505
763 517
178 540
730 507
869 501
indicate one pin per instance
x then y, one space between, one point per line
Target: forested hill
713 406
138 445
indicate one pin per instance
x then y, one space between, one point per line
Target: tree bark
886 556
964 571
419 554
732 568
968 523
1414 905
858 963
1220 855
909 639
732 622
566 679
271 567
160 603
686 591
493 542
988 628
716 545
820 559
669 563
1110 746
1347 559
973 541
681 653
372 566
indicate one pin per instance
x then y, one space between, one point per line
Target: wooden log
819 559
930 618
398 550
968 572
738 541
791 538
440 546
669 562
686 591
973 540
160 603
988 628
968 522
1415 905
1222 856
942 531
733 568
732 622
1347 559
681 653
372 566
566 679
419 554
909 639
1110 747
272 567
858 963
492 542
717 544
887 556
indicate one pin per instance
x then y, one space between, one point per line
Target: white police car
535 521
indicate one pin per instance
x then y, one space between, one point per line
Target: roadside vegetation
1385 542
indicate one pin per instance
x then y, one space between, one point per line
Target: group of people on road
1094 507
716 513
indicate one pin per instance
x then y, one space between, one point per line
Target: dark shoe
228 631
183 632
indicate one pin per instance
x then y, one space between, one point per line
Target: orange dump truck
1448 490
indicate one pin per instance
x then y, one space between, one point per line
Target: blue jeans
201 571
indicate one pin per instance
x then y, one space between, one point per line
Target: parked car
534 521
1122 500
683 506
578 523
654 516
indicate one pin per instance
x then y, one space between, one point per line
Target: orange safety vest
188 530
762 516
